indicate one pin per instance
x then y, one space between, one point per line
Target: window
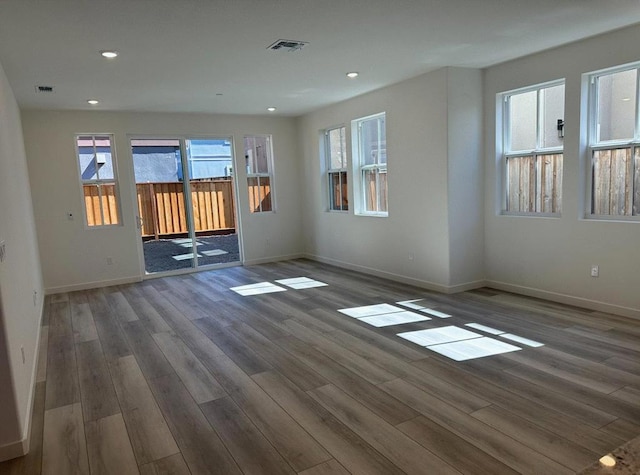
533 131
98 177
614 139
370 152
258 156
336 162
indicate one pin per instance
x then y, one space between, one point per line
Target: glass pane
521 184
337 148
373 141
100 204
259 194
523 113
257 154
209 164
616 106
161 205
612 182
94 155
375 190
636 183
338 191
552 100
549 184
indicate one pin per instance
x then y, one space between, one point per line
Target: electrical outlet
411 256
3 252
595 271
109 261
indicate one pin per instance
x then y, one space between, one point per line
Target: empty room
319 237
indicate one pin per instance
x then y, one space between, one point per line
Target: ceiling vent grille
47 89
287 45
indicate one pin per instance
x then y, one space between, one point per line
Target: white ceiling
177 55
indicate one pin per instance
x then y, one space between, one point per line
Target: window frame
329 171
595 145
537 153
99 182
360 169
257 175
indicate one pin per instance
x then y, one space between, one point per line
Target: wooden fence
259 194
100 204
613 182
535 184
162 207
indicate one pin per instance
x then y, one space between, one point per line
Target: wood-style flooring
181 375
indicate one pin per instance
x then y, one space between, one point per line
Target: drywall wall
413 243
465 177
20 277
76 257
551 257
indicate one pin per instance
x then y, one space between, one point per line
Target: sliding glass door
186 202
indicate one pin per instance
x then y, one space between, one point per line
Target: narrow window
533 133
336 162
614 141
259 160
371 163
98 177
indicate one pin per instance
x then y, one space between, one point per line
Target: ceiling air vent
287 45
48 89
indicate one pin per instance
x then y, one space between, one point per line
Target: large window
370 161
533 130
336 163
258 156
98 176
614 139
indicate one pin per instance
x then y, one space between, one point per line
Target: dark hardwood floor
182 375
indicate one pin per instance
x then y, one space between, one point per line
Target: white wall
20 277
75 257
418 145
551 257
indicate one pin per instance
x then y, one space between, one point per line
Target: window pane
100 204
616 106
373 141
94 155
375 190
552 100
337 148
534 184
257 154
521 180
522 114
636 183
549 184
156 161
612 182
338 191
259 194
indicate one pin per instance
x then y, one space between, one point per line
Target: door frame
182 139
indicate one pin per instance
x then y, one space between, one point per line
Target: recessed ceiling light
93 102
352 75
109 54
626 99
271 109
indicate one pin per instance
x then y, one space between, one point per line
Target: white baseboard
92 285
21 447
424 284
267 260
566 299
